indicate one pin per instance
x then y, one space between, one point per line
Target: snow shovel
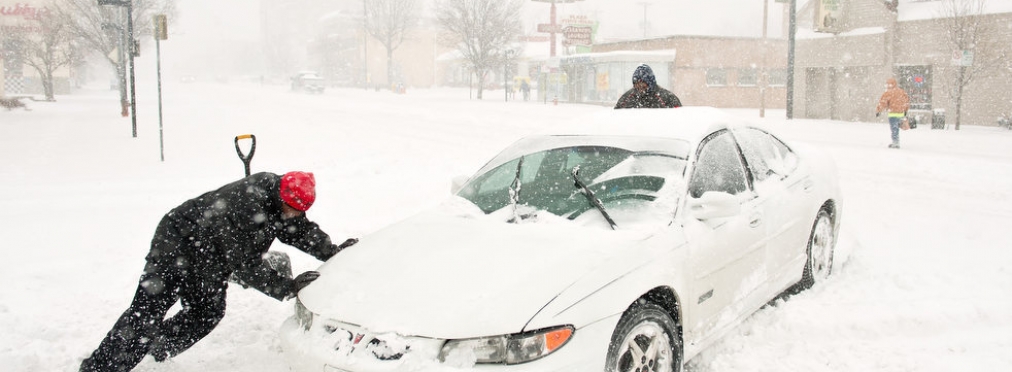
246 158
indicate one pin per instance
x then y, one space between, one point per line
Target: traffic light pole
128 4
133 93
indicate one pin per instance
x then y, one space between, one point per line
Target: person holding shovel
197 246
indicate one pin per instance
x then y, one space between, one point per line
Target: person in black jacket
197 246
645 93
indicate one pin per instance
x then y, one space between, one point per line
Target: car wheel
819 264
646 339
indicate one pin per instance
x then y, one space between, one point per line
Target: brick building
844 52
841 71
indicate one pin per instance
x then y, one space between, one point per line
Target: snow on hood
454 272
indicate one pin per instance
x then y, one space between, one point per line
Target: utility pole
131 51
365 43
791 31
120 64
763 72
645 5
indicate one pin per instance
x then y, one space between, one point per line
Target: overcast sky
223 37
240 19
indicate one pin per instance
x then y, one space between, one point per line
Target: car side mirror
714 204
457 183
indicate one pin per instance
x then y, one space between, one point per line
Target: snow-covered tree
482 30
389 21
47 45
102 29
968 30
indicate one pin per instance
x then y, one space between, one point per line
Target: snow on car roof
686 123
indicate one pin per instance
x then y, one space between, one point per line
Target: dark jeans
894 127
143 327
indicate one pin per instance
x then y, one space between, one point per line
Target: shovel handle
246 158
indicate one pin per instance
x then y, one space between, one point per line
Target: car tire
646 339
819 254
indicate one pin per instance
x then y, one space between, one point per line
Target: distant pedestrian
196 248
645 93
525 87
896 102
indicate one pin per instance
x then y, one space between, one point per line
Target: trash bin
938 119
915 117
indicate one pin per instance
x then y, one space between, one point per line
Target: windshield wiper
514 192
591 197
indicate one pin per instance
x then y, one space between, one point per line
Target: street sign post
161 33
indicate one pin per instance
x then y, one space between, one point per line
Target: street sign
962 58
161 27
575 35
548 27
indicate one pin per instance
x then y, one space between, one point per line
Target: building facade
714 71
840 73
844 52
17 77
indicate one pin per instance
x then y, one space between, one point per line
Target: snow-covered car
628 241
307 81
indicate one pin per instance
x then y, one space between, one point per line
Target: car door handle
755 220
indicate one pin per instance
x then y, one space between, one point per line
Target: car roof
685 123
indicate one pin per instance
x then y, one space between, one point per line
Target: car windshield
631 178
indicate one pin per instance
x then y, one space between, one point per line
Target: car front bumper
316 350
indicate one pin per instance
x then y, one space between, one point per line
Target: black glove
877 114
348 243
303 280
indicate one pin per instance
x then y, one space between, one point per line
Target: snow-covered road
925 285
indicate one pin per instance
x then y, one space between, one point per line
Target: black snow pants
142 327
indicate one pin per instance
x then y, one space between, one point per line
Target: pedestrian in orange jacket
896 101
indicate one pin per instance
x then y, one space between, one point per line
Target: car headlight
303 315
509 349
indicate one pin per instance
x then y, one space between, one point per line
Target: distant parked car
627 242
307 81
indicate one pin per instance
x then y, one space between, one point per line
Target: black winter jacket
659 98
228 230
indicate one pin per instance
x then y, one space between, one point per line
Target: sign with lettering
828 16
577 35
962 58
548 27
26 11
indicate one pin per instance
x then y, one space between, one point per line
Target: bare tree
968 30
482 30
103 30
45 48
389 22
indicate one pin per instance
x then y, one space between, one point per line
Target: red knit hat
298 190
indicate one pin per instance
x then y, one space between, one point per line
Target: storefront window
778 77
747 77
916 81
716 77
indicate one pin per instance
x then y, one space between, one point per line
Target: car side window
765 154
758 149
718 167
785 160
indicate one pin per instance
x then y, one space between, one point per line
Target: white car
625 242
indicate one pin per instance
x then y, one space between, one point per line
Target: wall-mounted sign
962 58
828 16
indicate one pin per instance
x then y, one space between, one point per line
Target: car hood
450 273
